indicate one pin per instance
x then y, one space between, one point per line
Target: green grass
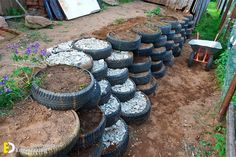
155 11
125 1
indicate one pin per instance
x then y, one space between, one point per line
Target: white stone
91 43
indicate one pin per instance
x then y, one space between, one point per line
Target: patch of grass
104 6
37 36
125 1
14 11
155 11
119 21
220 140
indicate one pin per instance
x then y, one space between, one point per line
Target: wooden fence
6 4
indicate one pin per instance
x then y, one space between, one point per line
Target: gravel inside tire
105 91
124 45
141 78
137 109
140 64
125 91
117 76
96 48
161 73
112 110
149 88
156 65
99 69
119 59
171 35
169 45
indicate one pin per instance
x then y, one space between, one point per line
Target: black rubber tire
105 96
183 32
174 24
138 118
156 65
62 101
125 96
144 51
190 17
96 96
121 147
182 22
178 28
177 38
161 42
185 26
119 78
190 60
142 66
181 44
189 31
171 35
101 73
158 54
175 47
165 29
168 56
186 20
149 88
159 74
113 117
93 136
209 63
177 52
149 38
169 62
124 45
169 45
141 78
121 63
96 54
190 24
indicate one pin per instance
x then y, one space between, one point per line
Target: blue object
48 9
56 10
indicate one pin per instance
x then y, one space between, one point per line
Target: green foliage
220 141
155 11
125 1
104 6
14 11
221 67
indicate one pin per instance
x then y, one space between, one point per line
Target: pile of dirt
127 35
63 78
146 27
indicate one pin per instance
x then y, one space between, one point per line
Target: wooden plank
225 13
78 8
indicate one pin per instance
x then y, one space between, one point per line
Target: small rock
37 22
3 22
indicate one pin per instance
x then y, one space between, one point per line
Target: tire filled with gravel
140 64
105 91
117 76
99 69
141 78
149 88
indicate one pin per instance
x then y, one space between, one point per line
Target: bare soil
31 124
111 148
89 119
143 45
148 85
127 35
63 78
140 59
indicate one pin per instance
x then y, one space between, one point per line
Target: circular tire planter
141 78
140 64
159 74
112 110
158 54
124 92
124 44
117 76
177 38
178 29
71 57
156 65
169 45
96 48
161 42
144 50
115 139
136 110
183 32
172 20
165 28
119 59
191 24
171 35
177 52
169 62
38 132
168 56
99 69
93 122
149 88
190 17
61 88
105 91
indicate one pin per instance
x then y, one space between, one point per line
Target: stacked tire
190 24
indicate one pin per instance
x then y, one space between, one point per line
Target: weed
119 21
125 1
37 36
220 141
14 11
155 11
104 6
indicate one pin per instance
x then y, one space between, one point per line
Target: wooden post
227 99
226 12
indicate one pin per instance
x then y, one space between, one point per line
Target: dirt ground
184 106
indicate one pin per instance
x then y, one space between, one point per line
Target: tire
149 37
136 118
119 63
100 74
185 26
190 60
124 95
141 78
165 29
158 54
183 32
111 116
189 31
170 62
190 17
168 56
186 20
171 35
96 54
177 38
121 147
178 28
55 151
118 78
177 53
169 45
161 42
105 91
174 24
96 95
149 88
161 73
190 24
88 139
156 65
181 44
182 23
124 45
175 48
144 51
140 66
62 101
209 63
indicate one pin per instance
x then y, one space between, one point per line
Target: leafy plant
155 11
14 11
220 145
125 1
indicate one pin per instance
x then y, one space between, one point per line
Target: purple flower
5 77
43 52
2 83
7 90
36 45
28 50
